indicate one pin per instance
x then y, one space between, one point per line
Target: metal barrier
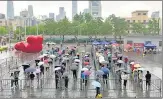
78 86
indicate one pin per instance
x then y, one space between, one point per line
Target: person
12 80
16 75
148 79
126 61
32 76
66 82
125 78
56 79
140 77
42 69
97 91
105 76
74 74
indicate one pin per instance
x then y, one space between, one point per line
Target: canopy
104 43
95 43
150 45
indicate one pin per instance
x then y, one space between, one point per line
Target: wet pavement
111 90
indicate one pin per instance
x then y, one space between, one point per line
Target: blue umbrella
113 41
95 43
105 70
100 72
104 43
30 69
96 84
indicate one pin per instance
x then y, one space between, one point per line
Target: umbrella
43 55
132 63
65 58
30 69
104 62
46 61
37 71
66 54
96 84
87 72
75 63
52 56
105 70
65 74
137 65
75 57
84 69
113 41
142 69
86 55
95 43
99 72
40 63
86 58
126 71
58 68
86 63
87 66
104 43
77 60
120 61
114 58
74 67
119 69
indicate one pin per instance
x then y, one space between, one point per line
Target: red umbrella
86 63
115 44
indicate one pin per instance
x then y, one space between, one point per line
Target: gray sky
120 8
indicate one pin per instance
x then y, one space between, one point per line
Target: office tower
95 8
155 14
10 10
86 11
51 16
61 14
74 8
2 16
30 10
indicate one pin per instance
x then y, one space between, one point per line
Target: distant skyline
119 8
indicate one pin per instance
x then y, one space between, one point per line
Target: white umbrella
142 69
58 68
104 62
120 61
132 63
65 58
77 60
43 55
52 56
37 71
40 63
84 69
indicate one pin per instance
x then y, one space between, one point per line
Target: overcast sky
119 8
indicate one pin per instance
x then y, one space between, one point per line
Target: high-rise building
30 10
155 14
95 8
74 8
24 13
10 10
51 16
86 11
61 14
2 16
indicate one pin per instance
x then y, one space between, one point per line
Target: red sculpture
33 44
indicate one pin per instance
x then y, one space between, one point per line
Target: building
51 16
3 22
85 11
2 16
30 11
61 15
95 8
155 14
10 10
24 13
74 8
140 41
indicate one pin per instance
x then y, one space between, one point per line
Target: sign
138 45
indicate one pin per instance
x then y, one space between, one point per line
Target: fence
81 85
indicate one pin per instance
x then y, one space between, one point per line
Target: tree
138 28
153 26
3 30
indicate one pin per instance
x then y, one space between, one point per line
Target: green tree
3 30
139 28
153 26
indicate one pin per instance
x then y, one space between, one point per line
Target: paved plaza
46 87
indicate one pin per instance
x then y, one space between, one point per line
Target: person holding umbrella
56 79
66 81
97 85
32 76
74 74
125 78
